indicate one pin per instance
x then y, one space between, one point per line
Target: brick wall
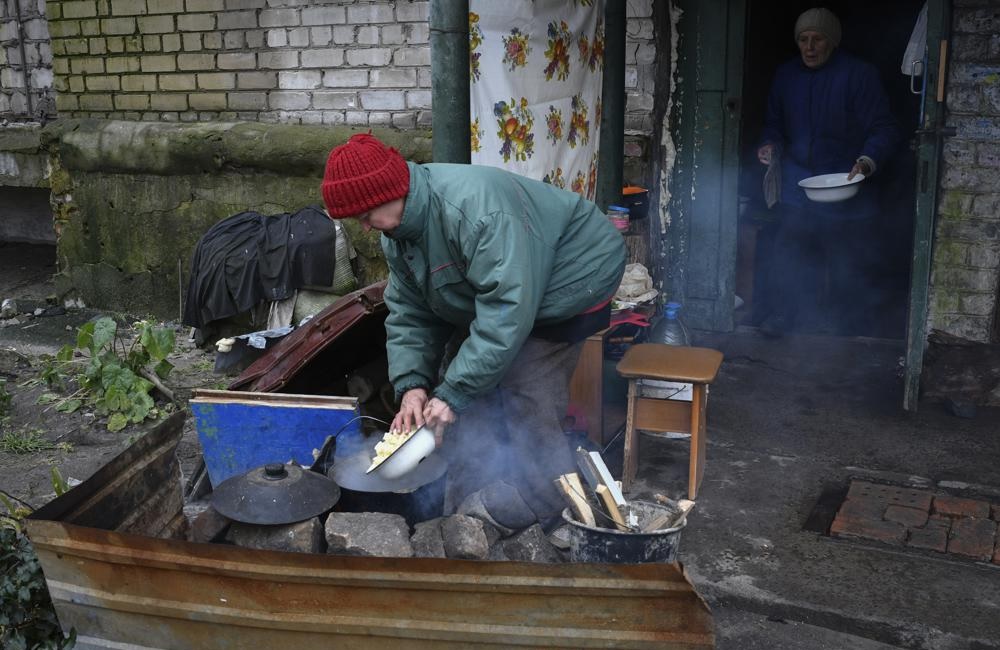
24 47
284 61
966 265
289 61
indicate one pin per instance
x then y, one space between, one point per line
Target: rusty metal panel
282 362
121 590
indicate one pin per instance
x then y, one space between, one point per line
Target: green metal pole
449 24
610 163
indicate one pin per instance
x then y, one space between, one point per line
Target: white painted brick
425 119
321 36
418 99
424 77
238 20
287 60
387 100
192 42
195 22
311 117
631 77
414 12
288 100
328 99
300 80
412 56
344 34
392 35
254 80
280 18
420 33
193 61
255 38
298 37
245 4
379 118
345 78
368 14
639 8
324 16
356 118
394 78
277 38
372 56
367 35
171 42
237 61
247 101
404 120
233 40
322 58
203 5
333 117
212 40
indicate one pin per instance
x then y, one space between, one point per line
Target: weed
24 441
5 398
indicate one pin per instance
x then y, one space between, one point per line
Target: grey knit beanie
819 20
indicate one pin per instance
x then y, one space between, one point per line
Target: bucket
636 199
589 544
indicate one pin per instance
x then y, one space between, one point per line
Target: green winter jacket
486 249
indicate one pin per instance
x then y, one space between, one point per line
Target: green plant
24 441
27 618
5 398
115 379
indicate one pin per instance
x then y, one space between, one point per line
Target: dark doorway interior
876 31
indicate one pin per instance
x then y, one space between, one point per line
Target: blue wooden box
239 430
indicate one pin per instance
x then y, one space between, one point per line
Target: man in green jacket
512 274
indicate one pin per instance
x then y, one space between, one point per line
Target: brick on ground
888 532
961 507
930 539
938 521
909 517
973 538
862 508
995 512
890 494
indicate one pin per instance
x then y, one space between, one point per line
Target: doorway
876 31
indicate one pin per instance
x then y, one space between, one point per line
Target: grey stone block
376 534
426 539
473 506
506 506
464 538
302 537
205 523
530 545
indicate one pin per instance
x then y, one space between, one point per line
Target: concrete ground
792 419
789 420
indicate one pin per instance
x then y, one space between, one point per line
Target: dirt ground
78 443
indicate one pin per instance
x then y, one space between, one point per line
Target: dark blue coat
822 120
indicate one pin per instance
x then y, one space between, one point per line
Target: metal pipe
24 58
610 163
449 26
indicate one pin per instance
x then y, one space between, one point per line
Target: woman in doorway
827 112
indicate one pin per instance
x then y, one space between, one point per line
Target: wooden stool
696 366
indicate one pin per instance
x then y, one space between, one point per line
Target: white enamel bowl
408 455
830 188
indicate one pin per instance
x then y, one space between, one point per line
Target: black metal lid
275 494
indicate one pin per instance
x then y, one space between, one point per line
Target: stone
426 539
960 408
506 506
9 308
464 538
890 494
473 506
300 537
206 524
376 534
530 545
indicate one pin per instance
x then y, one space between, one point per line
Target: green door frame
929 135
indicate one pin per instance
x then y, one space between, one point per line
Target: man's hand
411 410
438 416
764 154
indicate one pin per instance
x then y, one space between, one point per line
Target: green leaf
85 336
65 353
158 341
69 406
163 368
46 398
104 332
117 422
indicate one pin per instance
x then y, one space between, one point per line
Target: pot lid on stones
275 494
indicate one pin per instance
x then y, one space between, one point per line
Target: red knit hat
363 174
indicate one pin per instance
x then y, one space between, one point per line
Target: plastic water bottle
668 328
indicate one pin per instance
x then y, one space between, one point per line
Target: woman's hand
411 410
438 415
860 167
765 153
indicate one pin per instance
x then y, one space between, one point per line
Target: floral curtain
536 69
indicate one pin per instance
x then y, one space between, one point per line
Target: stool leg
696 468
631 457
